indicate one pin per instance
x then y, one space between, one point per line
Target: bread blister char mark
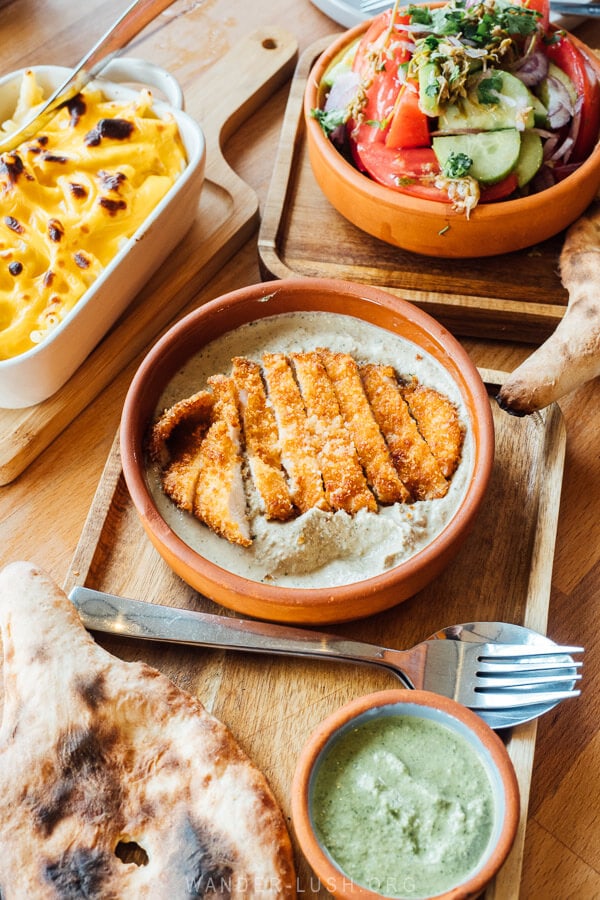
305 431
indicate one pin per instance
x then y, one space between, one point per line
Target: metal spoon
112 614
127 26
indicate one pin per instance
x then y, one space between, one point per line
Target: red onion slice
531 69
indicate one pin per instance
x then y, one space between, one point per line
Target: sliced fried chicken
297 451
345 484
220 500
371 447
170 434
438 422
262 440
174 444
414 461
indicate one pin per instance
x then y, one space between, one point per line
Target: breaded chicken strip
414 461
262 440
220 501
172 430
370 445
438 422
345 484
180 477
174 444
297 452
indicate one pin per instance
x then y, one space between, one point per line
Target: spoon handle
128 25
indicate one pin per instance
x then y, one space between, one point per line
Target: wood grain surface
44 510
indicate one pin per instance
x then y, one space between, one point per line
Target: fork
128 25
482 676
372 7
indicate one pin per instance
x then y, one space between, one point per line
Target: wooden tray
227 217
516 296
272 703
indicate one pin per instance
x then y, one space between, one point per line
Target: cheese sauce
71 197
318 549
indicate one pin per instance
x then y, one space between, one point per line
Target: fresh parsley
329 120
488 90
457 165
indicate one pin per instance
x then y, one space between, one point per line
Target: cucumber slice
555 72
341 64
429 89
540 113
530 158
511 104
494 154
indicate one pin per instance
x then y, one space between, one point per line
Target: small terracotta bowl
426 226
220 317
433 712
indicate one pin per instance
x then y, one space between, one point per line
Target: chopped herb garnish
457 165
419 15
330 120
488 89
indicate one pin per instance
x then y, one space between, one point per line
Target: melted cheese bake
71 197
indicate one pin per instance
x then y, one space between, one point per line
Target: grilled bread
101 758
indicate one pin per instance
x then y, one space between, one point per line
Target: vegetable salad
464 103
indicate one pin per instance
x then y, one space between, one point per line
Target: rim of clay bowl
224 314
582 183
457 717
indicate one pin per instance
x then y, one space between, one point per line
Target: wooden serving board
516 296
271 703
227 217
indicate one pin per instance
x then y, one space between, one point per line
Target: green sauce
403 805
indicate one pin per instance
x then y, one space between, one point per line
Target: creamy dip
403 805
318 549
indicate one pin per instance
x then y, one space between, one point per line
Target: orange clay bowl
428 227
423 705
224 314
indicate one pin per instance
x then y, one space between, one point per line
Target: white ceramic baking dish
35 375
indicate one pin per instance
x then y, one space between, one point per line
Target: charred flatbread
98 754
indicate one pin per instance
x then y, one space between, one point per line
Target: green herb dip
403 805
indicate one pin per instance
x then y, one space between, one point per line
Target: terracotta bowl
428 227
225 314
437 712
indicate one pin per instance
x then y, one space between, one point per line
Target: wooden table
43 511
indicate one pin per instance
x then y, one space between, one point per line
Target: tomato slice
387 164
567 57
401 170
500 190
385 83
410 125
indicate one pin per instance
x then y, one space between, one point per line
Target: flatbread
570 357
96 752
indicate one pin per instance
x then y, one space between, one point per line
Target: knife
110 614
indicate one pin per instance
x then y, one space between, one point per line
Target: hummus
318 549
